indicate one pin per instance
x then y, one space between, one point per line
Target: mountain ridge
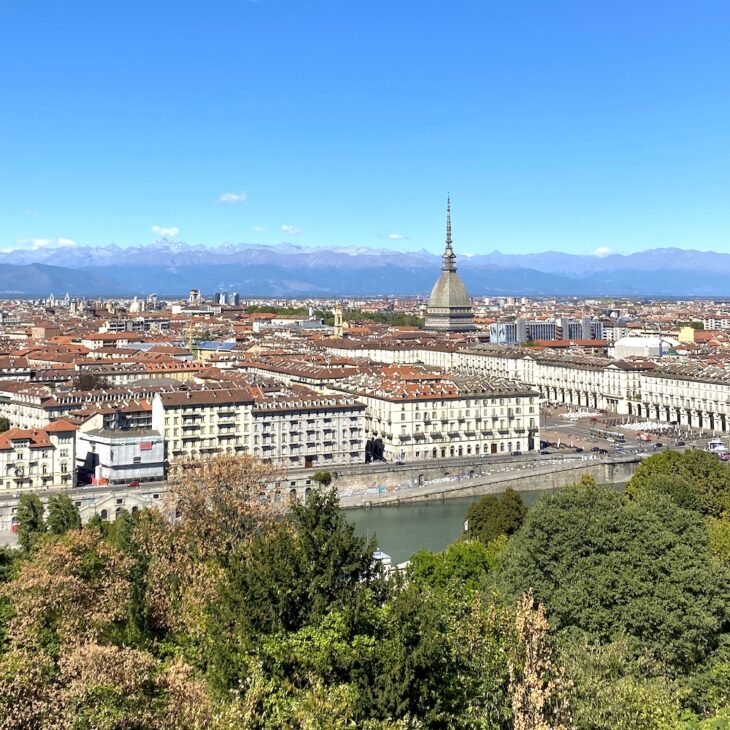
286 269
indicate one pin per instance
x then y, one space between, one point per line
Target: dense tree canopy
495 515
695 479
611 566
31 519
63 515
221 610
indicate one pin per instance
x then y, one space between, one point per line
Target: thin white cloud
602 251
36 244
233 198
260 229
397 237
166 232
30 213
291 230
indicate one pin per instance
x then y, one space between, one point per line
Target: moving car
134 483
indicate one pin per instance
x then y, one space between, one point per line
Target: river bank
522 476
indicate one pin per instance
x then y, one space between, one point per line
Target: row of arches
680 416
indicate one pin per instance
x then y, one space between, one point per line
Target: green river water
403 529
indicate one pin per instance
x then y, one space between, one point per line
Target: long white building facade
688 394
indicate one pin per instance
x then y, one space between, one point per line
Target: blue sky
575 126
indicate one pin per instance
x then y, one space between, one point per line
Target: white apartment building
38 459
716 323
687 394
414 414
198 423
288 426
309 430
29 405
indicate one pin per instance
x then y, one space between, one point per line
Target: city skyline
584 130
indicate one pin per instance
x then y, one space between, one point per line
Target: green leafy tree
323 477
63 515
718 531
610 688
495 515
4 424
693 477
611 566
418 671
8 561
31 521
289 576
463 565
90 381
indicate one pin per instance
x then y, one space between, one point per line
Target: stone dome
449 291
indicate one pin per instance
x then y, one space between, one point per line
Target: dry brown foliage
77 585
213 506
110 686
537 686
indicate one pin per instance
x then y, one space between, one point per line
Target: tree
463 565
612 689
4 424
63 515
718 532
323 477
495 515
609 566
90 381
537 686
291 575
30 520
693 477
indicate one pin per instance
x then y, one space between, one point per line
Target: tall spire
448 259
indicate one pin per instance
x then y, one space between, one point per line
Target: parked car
602 451
516 453
595 449
134 483
545 452
578 450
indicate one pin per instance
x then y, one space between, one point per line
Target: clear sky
576 126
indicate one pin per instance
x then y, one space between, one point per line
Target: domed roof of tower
449 291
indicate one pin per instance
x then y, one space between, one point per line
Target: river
403 529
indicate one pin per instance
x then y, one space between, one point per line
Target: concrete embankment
529 476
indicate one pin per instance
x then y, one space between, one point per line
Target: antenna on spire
448 220
448 259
